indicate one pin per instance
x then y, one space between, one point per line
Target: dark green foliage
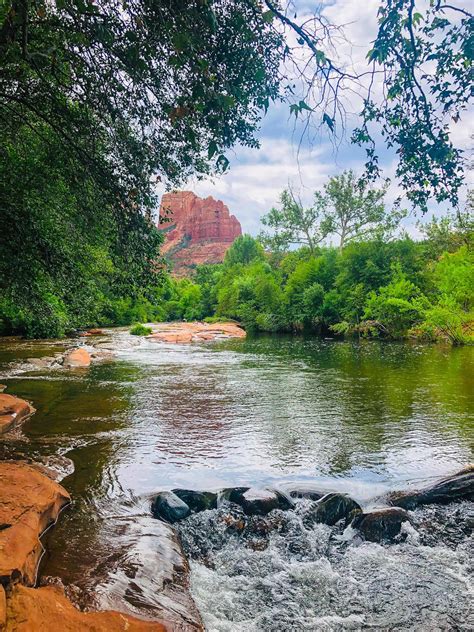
140 330
370 288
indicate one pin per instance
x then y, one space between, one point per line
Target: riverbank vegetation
376 287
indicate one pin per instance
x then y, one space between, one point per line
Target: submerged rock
334 507
382 524
77 358
307 490
197 501
168 506
256 501
459 486
48 608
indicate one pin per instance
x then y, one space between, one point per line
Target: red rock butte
199 231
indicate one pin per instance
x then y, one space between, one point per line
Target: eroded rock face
35 609
29 503
460 486
199 231
183 333
13 411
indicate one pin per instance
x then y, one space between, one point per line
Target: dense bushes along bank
370 288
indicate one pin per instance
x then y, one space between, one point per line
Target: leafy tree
353 211
293 224
245 249
397 306
425 55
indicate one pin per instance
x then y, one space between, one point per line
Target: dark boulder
306 490
168 506
231 495
382 524
459 486
334 507
256 501
197 501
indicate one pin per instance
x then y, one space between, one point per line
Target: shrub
140 330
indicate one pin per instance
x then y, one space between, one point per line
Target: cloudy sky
257 176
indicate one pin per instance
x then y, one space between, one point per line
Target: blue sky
257 176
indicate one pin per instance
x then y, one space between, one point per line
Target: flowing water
362 418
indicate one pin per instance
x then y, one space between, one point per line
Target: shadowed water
361 418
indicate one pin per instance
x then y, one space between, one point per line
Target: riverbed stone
307 490
13 411
334 507
381 524
197 501
168 506
459 486
47 608
77 358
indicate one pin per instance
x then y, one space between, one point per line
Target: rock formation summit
198 231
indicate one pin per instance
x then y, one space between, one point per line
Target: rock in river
29 503
13 411
197 501
36 609
168 506
382 524
77 358
256 501
459 486
334 507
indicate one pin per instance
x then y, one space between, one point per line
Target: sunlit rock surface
198 231
180 333
13 411
29 503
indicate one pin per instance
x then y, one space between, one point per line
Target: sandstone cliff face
199 231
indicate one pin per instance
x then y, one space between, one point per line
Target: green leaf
267 16
304 106
222 163
212 149
329 121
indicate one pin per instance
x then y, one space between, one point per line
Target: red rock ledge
13 411
29 503
195 332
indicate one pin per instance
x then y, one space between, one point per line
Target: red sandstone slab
13 411
29 503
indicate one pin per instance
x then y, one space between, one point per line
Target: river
362 418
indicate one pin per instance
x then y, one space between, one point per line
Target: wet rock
334 507
47 608
29 503
168 506
256 501
231 495
197 501
77 358
382 524
13 411
459 486
306 490
96 332
259 501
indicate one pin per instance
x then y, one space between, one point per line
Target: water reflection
361 417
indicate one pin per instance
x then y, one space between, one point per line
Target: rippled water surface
361 418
